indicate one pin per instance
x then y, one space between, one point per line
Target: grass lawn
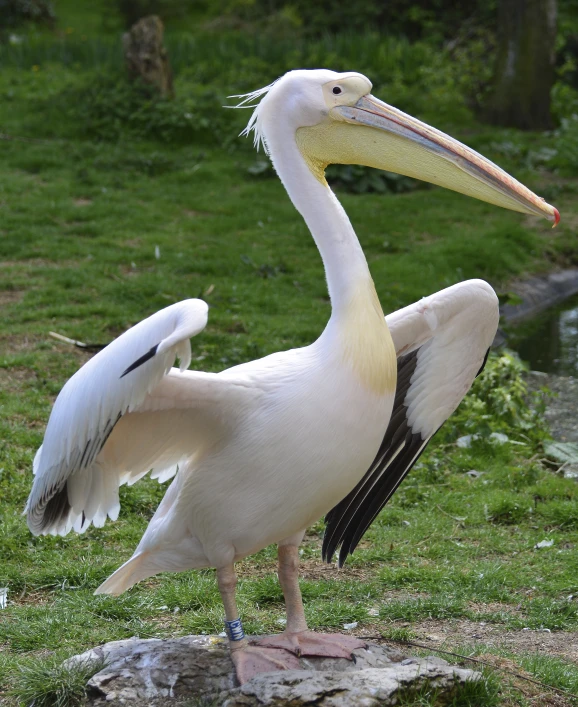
95 236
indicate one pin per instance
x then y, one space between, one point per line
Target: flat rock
197 669
539 293
561 408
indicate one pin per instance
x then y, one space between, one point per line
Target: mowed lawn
96 236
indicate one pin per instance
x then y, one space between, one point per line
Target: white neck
343 258
357 331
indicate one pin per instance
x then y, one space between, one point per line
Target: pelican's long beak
375 134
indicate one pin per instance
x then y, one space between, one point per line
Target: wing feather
70 483
442 343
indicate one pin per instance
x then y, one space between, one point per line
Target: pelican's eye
337 90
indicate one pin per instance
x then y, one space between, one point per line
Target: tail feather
128 574
185 555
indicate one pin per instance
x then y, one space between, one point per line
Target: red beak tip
556 217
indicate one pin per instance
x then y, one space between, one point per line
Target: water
549 341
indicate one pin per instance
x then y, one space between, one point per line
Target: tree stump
525 66
146 57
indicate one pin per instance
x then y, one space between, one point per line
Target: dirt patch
315 570
312 570
30 263
26 343
133 242
8 297
191 213
14 378
463 637
14 343
439 634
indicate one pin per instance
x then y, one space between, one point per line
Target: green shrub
18 12
113 108
500 401
416 19
566 157
354 179
418 78
131 11
364 180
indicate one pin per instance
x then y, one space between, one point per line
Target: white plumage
266 448
91 404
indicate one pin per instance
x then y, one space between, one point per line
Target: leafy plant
17 12
132 10
113 108
566 157
500 401
414 19
365 180
354 179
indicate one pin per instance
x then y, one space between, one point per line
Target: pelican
268 447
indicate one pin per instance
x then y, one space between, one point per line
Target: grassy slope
79 225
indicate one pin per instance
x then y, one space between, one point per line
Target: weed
111 108
363 180
50 683
566 155
397 633
481 692
552 671
508 509
500 401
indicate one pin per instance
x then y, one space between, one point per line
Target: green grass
506 678
79 224
49 683
484 692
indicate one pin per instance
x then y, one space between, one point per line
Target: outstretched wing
73 485
442 343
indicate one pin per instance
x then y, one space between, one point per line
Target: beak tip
556 217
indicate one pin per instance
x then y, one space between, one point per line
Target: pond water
549 341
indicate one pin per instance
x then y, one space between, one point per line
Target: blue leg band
234 630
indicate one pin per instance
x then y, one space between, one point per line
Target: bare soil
457 632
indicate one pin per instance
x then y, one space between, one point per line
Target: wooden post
146 57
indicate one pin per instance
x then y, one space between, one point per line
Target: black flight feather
143 359
347 522
484 362
56 508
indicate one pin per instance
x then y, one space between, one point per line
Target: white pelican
266 448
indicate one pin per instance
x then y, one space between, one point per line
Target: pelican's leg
296 637
248 660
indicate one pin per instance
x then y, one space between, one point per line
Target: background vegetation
115 203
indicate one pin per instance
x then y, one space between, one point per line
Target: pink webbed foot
252 660
325 645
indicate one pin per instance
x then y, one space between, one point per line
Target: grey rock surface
539 293
561 408
561 416
197 670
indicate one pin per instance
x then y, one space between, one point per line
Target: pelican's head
334 119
